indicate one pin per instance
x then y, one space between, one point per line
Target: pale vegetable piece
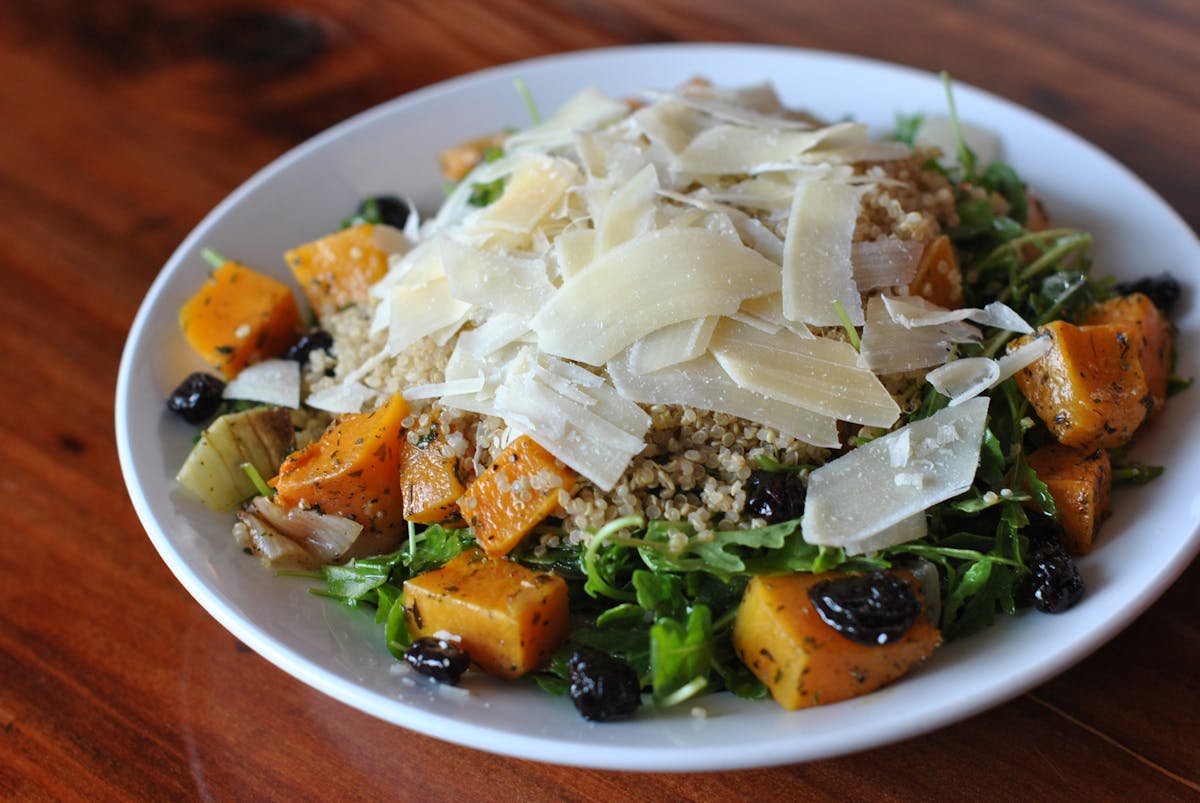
213 469
323 538
964 379
344 397
939 463
418 311
275 381
817 270
703 384
664 277
938 132
671 345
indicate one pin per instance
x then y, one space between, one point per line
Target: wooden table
124 121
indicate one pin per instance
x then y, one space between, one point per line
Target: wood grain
125 121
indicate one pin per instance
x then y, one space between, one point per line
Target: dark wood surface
122 122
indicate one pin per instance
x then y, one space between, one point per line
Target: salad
685 393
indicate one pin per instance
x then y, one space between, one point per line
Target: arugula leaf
680 656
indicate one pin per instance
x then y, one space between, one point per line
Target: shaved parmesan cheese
664 277
586 111
629 211
346 397
733 107
817 270
913 311
574 250
903 531
890 347
938 132
740 150
943 450
269 382
498 282
534 189
703 384
420 310
885 263
671 345
1023 355
435 389
1001 316
964 379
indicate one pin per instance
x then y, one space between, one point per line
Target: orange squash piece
1089 389
1080 481
510 619
336 271
1151 333
939 277
803 661
238 317
429 477
352 470
461 159
514 493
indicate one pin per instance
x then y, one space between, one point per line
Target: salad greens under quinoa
662 547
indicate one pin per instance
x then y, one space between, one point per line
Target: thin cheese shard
498 282
943 454
588 110
817 267
664 277
671 345
418 311
964 379
740 150
534 189
269 382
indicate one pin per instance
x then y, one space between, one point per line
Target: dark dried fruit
197 398
775 495
387 209
438 658
1053 584
317 339
1043 532
1163 290
602 687
873 609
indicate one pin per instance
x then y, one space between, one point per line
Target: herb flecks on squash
238 317
1149 331
429 477
337 270
1080 482
803 661
510 618
1089 388
352 470
514 493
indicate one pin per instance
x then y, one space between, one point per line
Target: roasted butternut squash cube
336 271
353 470
461 159
939 277
1150 332
1089 389
803 661
238 317
1080 481
510 618
514 493
429 477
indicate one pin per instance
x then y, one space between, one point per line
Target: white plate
1149 541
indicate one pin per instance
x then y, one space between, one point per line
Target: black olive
197 398
307 344
602 687
1053 584
1163 290
438 658
873 608
775 495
